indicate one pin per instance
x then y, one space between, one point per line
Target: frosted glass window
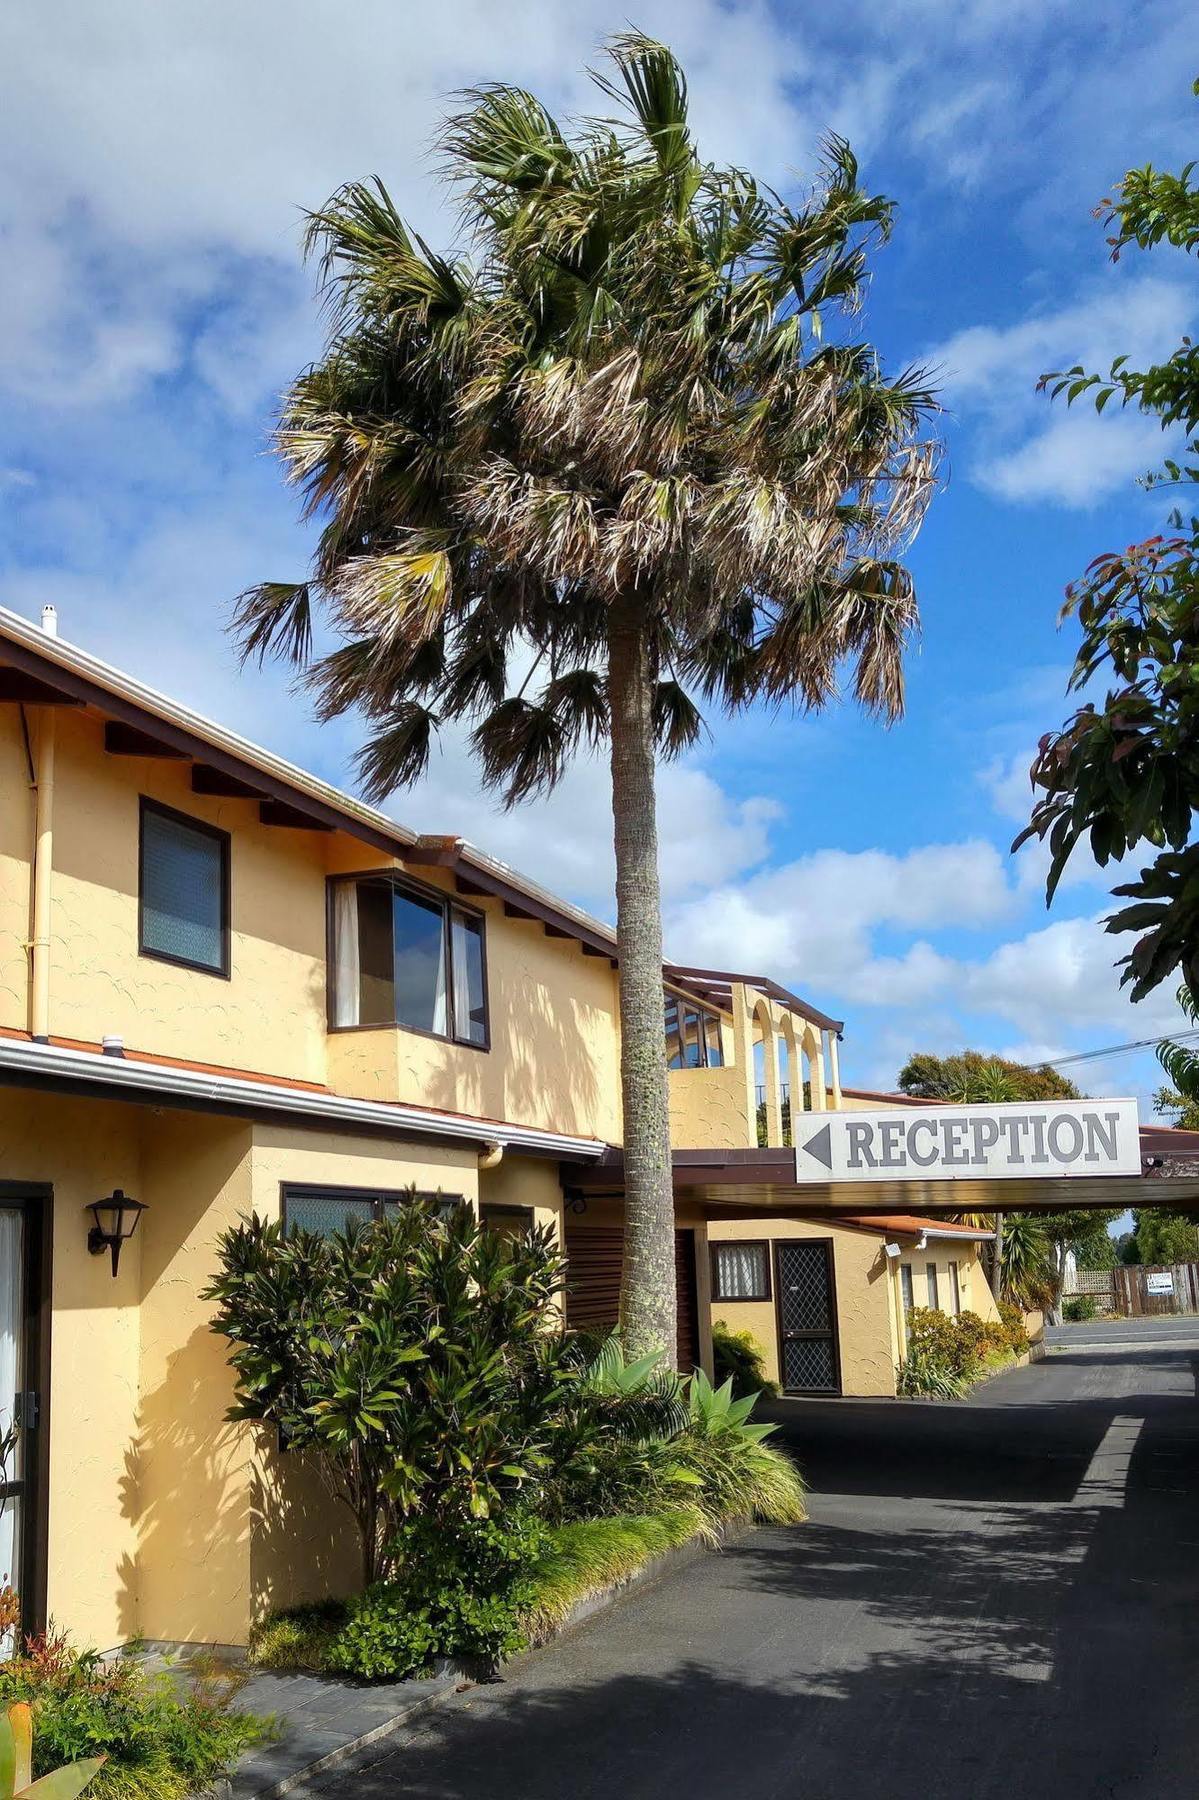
741 1272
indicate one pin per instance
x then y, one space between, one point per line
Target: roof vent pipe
50 620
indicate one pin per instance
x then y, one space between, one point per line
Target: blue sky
154 161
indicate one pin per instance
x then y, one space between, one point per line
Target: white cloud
1025 452
813 920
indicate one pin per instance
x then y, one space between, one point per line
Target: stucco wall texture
166 1521
864 1302
555 1050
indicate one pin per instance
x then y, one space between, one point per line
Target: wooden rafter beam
278 812
24 689
130 740
222 785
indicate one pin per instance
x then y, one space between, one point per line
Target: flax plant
618 457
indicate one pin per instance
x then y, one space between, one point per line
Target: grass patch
299 1638
743 1479
588 1556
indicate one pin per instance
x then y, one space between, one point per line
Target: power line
1151 1043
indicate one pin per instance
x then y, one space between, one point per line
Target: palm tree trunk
647 1290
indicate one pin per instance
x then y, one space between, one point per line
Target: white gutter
954 1237
128 1076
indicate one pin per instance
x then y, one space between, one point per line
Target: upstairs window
692 1036
406 956
183 890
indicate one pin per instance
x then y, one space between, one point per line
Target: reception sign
948 1143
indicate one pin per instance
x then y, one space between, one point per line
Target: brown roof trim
886 1099
226 1072
724 978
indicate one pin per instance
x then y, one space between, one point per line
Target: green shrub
412 1356
739 1357
461 1592
158 1745
1079 1308
1015 1335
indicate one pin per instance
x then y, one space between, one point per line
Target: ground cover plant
157 1743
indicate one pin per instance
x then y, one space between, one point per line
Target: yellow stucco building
226 987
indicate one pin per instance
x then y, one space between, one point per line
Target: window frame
907 1288
955 1288
224 842
683 1003
449 903
933 1284
716 1245
379 1197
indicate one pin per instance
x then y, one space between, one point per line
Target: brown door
24 1438
807 1316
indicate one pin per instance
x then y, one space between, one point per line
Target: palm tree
1027 1273
620 456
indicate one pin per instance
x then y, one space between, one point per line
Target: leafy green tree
620 454
1178 1109
970 1077
1125 772
412 1359
1165 1236
1079 1230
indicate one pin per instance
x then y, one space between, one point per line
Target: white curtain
461 964
742 1271
440 1023
346 967
11 1279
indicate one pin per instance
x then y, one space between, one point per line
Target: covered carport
888 1175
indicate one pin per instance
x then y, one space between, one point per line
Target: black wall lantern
116 1221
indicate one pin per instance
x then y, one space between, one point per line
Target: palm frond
274 619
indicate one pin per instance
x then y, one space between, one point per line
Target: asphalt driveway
998 1598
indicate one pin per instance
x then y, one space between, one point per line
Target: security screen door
807 1317
12 1371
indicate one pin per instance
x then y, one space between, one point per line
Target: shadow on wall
546 1043
227 1528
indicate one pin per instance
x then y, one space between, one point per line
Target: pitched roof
44 669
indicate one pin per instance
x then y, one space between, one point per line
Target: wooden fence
1140 1292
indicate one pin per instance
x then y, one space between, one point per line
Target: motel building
226 988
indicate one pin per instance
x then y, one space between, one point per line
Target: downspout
43 863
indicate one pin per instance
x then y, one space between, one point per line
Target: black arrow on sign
821 1146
